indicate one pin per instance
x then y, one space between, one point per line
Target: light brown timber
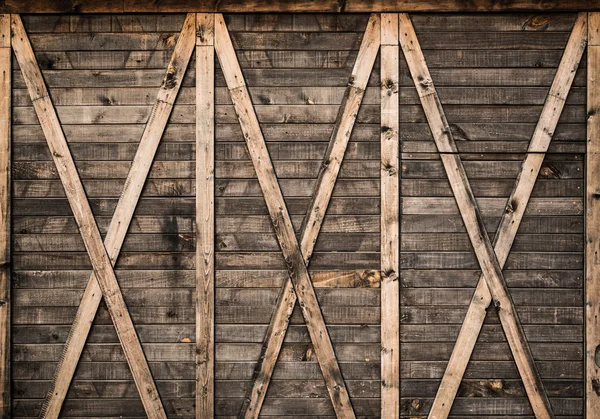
473 220
123 213
390 211
281 222
5 268
205 216
592 223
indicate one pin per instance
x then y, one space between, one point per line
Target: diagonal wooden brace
512 217
314 218
281 221
121 219
490 266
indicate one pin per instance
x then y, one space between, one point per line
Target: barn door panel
106 103
299 221
484 126
286 110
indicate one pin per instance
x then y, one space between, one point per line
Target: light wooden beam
390 212
205 216
473 221
125 207
313 220
281 221
5 139
592 223
512 217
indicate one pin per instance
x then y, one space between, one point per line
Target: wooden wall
296 69
492 73
103 83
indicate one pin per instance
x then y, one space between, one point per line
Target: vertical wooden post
5 93
205 217
390 209
592 221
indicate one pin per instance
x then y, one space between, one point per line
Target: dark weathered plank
325 6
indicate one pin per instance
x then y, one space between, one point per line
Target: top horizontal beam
310 6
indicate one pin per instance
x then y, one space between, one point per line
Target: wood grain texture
5 217
282 224
518 201
592 238
121 218
312 222
324 6
205 216
472 218
390 223
493 90
101 262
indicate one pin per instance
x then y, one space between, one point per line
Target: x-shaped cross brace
492 286
297 256
103 282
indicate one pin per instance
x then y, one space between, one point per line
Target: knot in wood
200 33
416 404
497 305
425 82
509 208
170 79
536 22
496 385
387 132
391 170
390 274
390 86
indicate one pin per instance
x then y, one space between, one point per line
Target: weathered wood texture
492 73
296 257
5 227
249 267
592 230
123 215
205 215
507 230
431 272
390 213
324 6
